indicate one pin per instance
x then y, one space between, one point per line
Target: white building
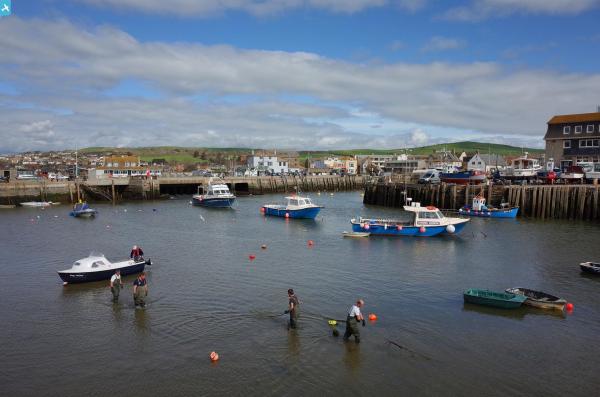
270 163
476 163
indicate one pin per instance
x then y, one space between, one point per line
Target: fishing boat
590 267
522 168
425 221
501 300
82 210
216 196
573 174
539 299
480 209
296 207
37 204
7 206
463 177
96 267
355 234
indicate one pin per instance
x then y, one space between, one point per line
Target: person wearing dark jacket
354 318
140 290
137 254
293 308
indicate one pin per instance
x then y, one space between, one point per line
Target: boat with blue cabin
82 209
480 209
425 222
216 196
296 207
96 267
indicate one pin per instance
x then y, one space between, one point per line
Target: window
567 129
588 143
566 144
578 129
590 128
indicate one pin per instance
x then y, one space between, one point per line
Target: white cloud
418 137
187 8
440 43
483 9
224 96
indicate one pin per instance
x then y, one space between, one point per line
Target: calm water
206 295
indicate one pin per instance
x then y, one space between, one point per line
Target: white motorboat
522 168
96 267
38 204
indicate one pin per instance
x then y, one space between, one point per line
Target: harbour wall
542 202
138 188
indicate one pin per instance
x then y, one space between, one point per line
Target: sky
293 74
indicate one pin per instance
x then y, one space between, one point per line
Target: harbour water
205 294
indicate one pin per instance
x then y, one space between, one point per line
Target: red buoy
310 243
399 227
262 209
287 214
367 227
422 229
372 317
214 356
252 257
569 307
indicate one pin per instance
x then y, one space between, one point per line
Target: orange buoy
264 246
310 243
262 209
214 356
252 257
372 317
569 307
287 214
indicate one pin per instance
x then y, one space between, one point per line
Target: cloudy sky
303 74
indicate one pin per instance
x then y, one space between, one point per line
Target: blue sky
297 74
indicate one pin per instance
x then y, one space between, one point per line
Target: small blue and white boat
480 209
96 267
82 209
216 196
296 207
426 222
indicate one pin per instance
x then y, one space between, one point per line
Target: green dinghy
502 300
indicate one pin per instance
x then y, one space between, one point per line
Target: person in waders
137 254
293 308
354 318
115 285
140 290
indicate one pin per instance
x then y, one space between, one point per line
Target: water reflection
352 356
515 314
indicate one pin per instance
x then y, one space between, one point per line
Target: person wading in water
293 308
354 318
115 285
140 290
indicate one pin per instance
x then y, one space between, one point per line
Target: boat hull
494 299
303 213
462 178
495 213
213 202
86 277
404 230
84 214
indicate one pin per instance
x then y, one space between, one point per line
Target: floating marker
287 214
422 229
310 243
569 307
214 356
264 246
252 257
372 317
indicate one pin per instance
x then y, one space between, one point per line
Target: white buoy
450 229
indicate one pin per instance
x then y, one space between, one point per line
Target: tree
196 154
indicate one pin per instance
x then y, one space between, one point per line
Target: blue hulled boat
96 267
216 196
425 222
82 209
296 207
480 209
463 177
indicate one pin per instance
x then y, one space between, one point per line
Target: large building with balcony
573 138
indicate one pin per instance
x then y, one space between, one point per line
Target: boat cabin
297 201
479 203
429 215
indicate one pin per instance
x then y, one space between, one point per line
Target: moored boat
355 234
590 267
216 196
7 206
296 207
83 210
426 221
573 174
96 267
463 177
501 300
479 208
539 299
37 204
522 168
